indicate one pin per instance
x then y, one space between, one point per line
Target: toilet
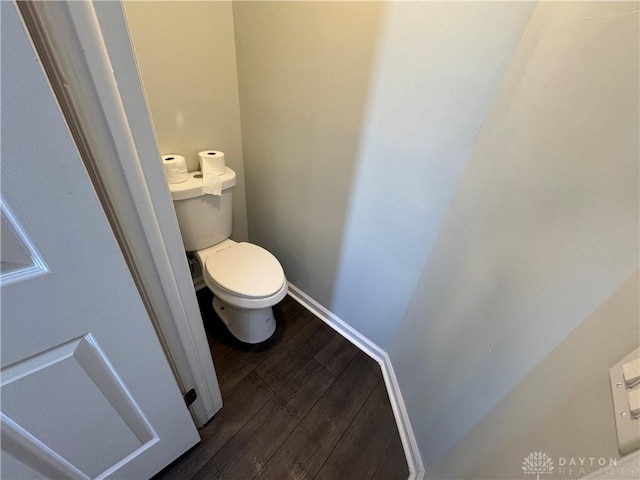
246 280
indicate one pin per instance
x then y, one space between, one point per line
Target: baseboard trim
414 461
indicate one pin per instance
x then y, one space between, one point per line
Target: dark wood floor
305 404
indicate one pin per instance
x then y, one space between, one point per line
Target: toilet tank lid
193 186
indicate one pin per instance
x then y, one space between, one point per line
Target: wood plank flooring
306 404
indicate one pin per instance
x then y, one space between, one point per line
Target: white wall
357 120
543 227
465 220
562 407
438 70
457 181
186 56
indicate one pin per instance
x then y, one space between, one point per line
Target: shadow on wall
304 71
439 68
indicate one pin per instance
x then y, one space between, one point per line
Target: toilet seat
245 270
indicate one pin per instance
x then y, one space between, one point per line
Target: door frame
87 55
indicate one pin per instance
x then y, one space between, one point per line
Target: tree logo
537 463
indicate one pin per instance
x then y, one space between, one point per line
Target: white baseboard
416 467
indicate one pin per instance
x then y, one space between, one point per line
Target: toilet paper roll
213 161
175 168
212 166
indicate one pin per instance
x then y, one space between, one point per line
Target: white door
86 389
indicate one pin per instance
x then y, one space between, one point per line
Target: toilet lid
246 269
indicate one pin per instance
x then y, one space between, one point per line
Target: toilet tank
204 219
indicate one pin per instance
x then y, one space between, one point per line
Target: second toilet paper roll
175 168
212 166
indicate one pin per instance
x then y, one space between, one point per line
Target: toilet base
249 326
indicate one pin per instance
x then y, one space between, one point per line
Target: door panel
86 389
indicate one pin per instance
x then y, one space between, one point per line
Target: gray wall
304 71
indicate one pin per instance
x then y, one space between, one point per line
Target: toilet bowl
246 281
